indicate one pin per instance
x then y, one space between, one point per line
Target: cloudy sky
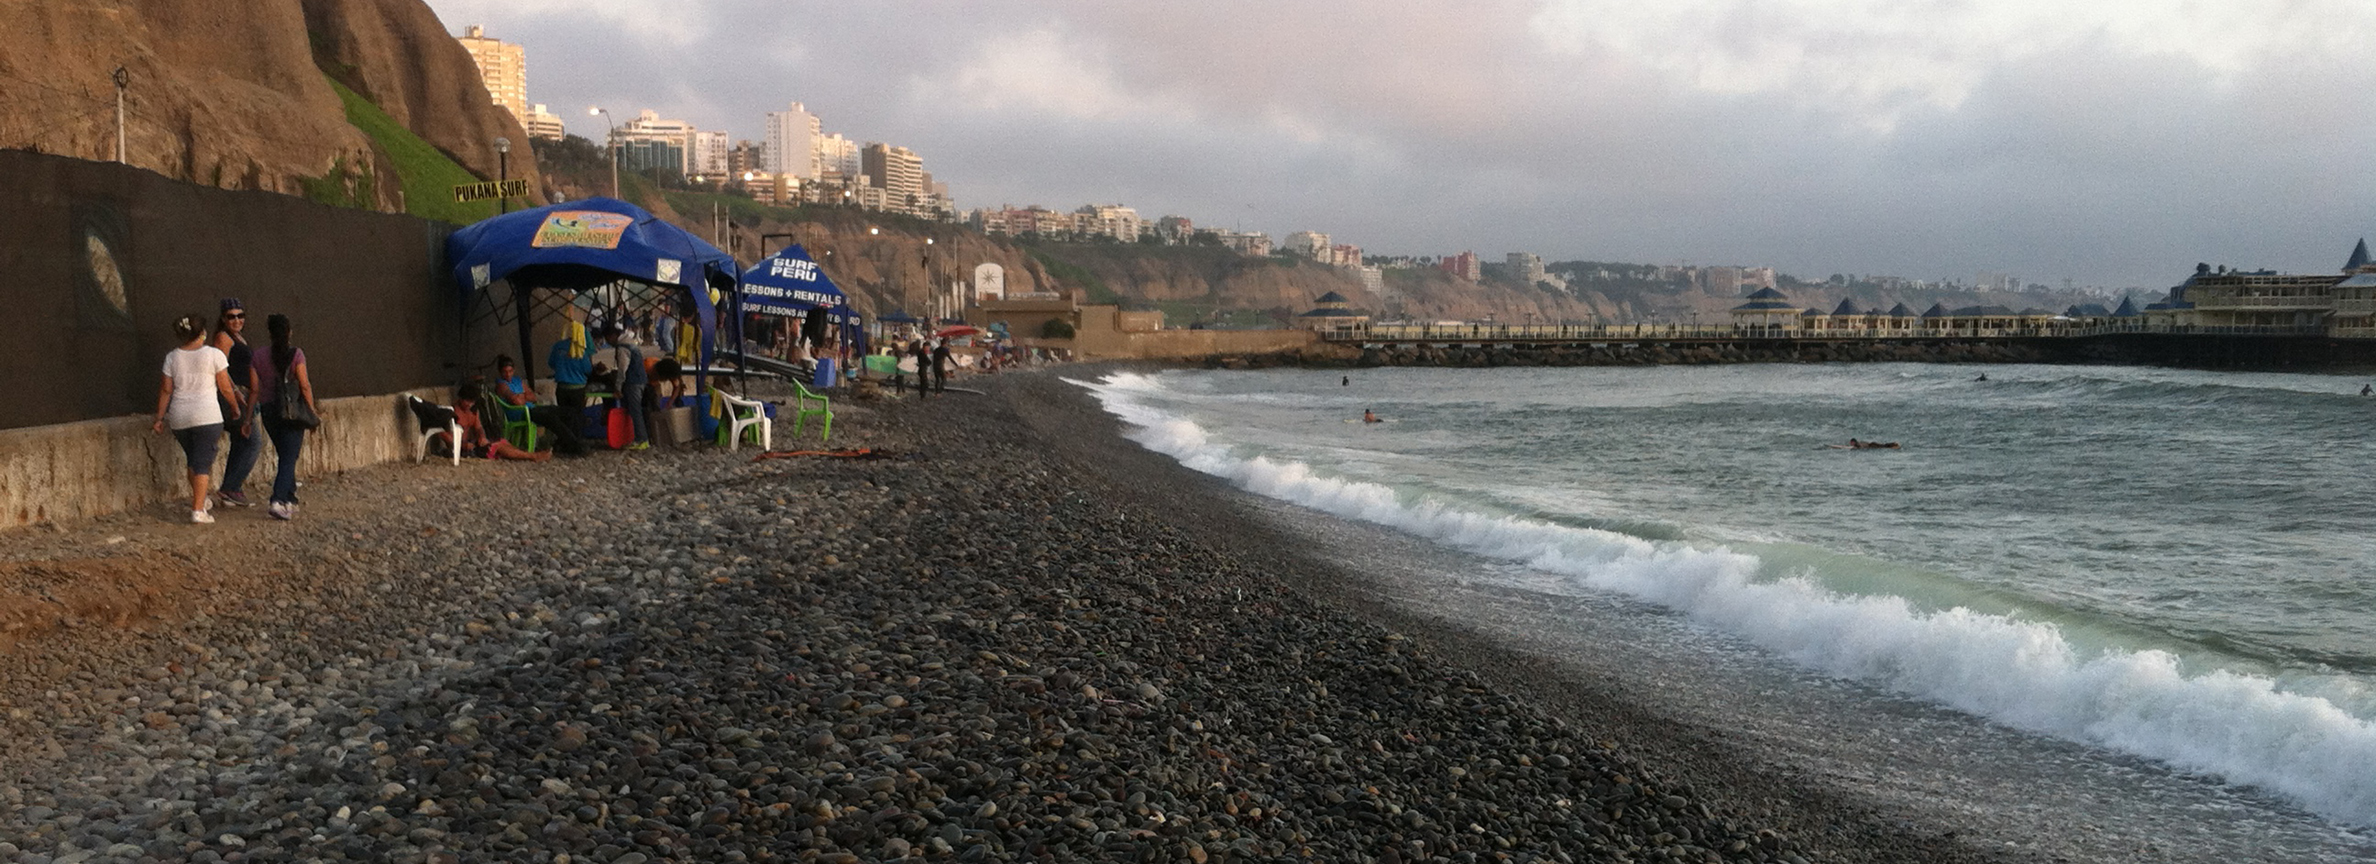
2113 143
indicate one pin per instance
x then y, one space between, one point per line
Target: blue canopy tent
579 245
790 283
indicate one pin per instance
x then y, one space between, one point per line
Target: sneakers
281 510
201 517
640 445
234 499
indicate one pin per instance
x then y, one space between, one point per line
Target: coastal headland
1020 638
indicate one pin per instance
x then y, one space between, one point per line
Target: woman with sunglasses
230 337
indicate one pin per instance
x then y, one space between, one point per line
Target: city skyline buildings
2079 144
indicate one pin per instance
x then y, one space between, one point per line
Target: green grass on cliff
428 175
1073 274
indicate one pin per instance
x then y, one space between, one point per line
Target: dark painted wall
97 259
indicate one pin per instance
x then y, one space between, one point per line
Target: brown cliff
235 96
397 54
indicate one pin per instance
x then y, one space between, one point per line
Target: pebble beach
1017 638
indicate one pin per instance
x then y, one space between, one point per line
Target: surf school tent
570 247
790 283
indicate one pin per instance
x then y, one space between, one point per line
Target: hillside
246 100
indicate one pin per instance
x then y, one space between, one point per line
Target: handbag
290 403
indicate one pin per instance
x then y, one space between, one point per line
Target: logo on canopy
792 268
593 229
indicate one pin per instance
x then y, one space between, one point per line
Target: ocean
2075 599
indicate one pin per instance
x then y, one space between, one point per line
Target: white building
541 123
1525 267
648 127
1113 220
792 139
836 153
1309 244
709 154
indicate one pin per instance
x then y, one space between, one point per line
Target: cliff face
235 95
230 100
397 54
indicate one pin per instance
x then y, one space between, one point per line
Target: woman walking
230 337
281 375
195 374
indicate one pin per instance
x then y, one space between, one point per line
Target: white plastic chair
742 414
429 414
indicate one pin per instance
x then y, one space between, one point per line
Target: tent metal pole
520 296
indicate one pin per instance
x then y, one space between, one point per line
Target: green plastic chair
802 412
518 427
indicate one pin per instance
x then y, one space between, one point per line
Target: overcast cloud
2113 143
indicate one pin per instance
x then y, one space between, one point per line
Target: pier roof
2359 256
1937 310
1847 307
1900 311
2128 308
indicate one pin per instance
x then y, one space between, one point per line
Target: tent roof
790 282
581 244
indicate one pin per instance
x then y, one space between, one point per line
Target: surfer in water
1854 444
1369 416
2368 389
1983 377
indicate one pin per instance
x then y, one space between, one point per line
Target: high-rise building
503 66
709 153
792 136
1526 267
544 124
836 153
745 158
1309 244
647 128
899 172
1464 265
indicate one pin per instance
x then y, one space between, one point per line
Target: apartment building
503 66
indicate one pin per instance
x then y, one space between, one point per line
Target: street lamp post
123 79
502 174
599 111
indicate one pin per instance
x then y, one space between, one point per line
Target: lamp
502 174
599 111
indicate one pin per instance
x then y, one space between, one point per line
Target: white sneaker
281 510
201 517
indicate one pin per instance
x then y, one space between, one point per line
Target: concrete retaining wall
99 467
1187 344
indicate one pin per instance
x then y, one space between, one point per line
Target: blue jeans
631 398
287 442
245 448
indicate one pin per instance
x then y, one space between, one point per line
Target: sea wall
99 467
1106 344
1661 354
101 258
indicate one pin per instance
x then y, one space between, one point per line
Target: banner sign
490 189
593 229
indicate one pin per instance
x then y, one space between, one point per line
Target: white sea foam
2023 673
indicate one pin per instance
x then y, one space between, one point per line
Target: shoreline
1030 638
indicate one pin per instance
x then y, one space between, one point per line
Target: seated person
667 371
474 433
555 422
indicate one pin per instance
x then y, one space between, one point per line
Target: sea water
2164 566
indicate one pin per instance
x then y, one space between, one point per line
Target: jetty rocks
981 651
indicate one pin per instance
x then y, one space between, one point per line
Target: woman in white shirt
195 374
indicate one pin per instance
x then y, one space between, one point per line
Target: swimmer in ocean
1368 416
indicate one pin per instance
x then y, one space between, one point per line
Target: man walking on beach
940 366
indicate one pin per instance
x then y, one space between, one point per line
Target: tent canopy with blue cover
584 244
790 282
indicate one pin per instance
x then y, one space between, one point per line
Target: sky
2112 143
